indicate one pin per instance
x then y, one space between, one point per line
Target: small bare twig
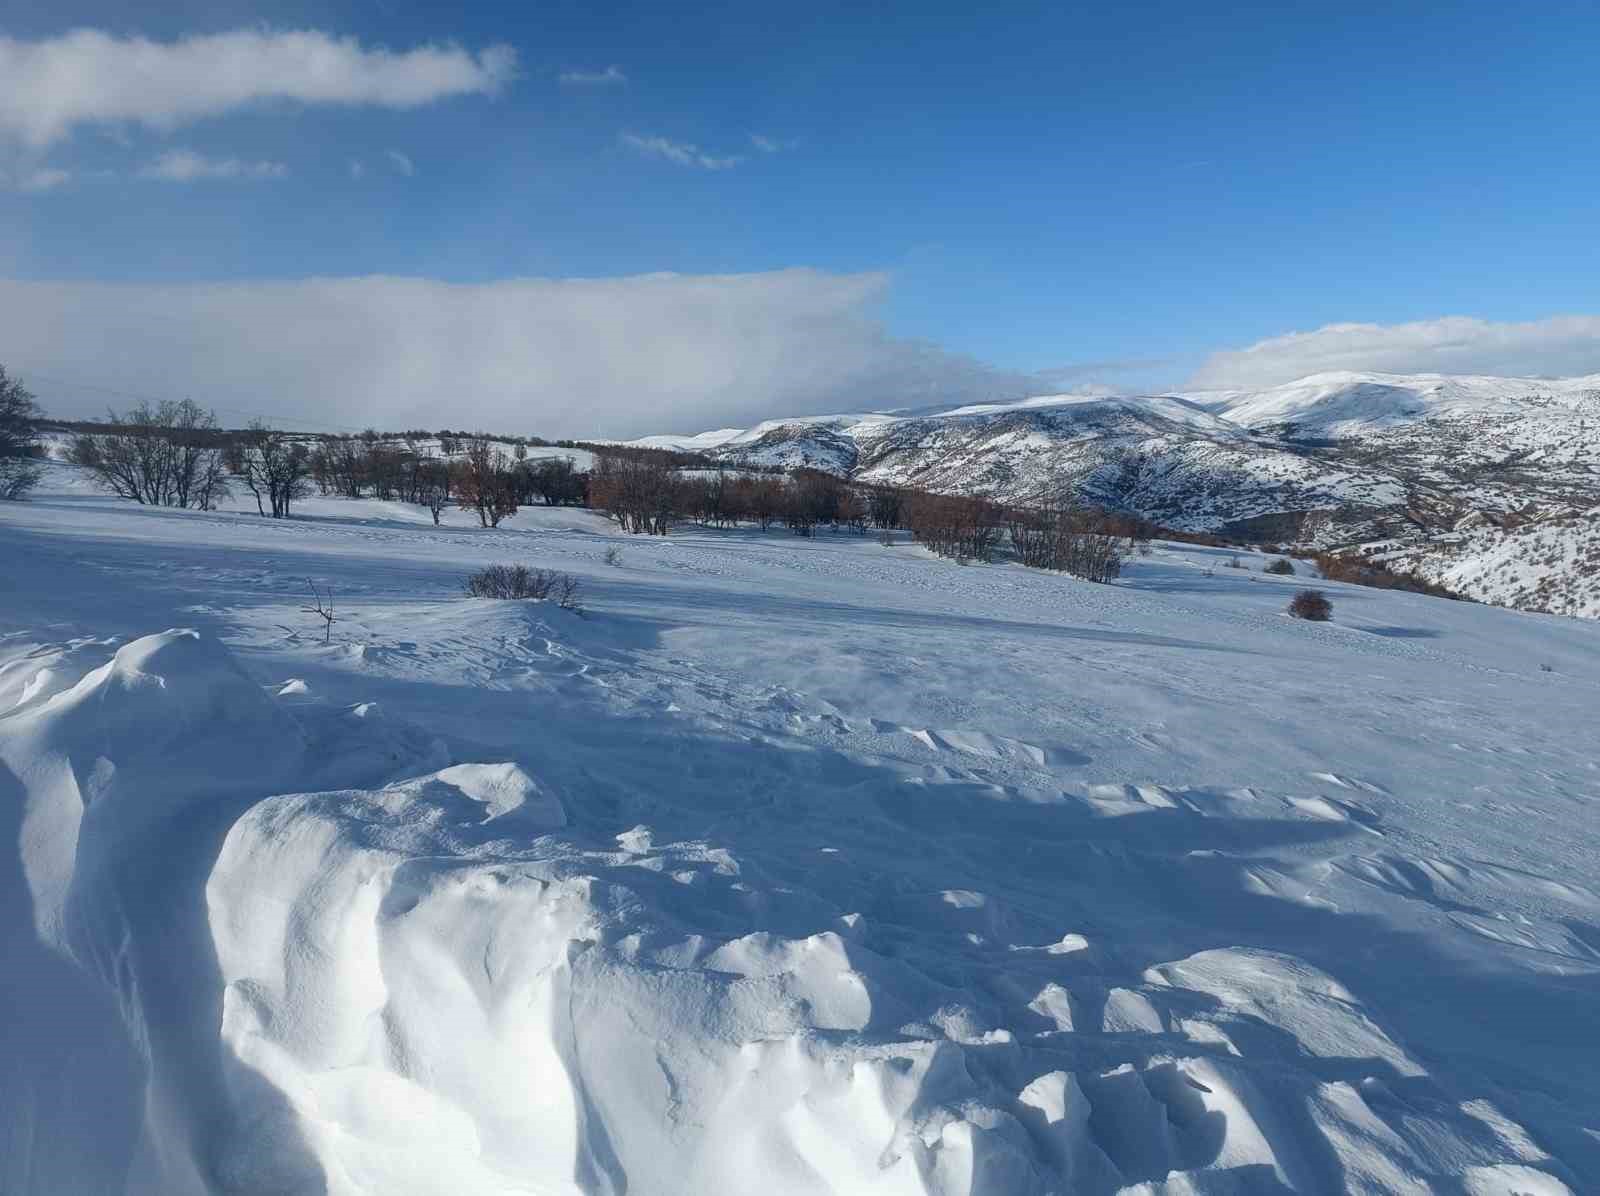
322 607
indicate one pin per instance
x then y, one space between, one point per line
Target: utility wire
144 398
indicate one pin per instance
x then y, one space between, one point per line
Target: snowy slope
797 866
1550 565
1344 404
1389 458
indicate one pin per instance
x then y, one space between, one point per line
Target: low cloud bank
552 357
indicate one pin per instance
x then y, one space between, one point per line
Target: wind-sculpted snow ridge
322 957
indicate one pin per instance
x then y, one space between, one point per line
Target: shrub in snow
322 607
1312 605
519 581
1281 567
613 555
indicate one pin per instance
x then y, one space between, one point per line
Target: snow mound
169 721
506 792
124 782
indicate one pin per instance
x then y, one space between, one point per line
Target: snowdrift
447 980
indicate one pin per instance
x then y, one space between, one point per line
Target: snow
1398 463
1550 565
1344 403
793 865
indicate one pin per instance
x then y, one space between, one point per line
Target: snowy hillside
794 866
1390 458
1348 404
1551 565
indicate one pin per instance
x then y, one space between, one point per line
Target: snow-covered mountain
1396 461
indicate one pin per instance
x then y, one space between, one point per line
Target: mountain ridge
1393 466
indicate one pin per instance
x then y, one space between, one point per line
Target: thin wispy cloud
401 162
186 166
88 76
35 179
612 76
766 145
683 153
358 168
1557 346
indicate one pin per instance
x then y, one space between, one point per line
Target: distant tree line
175 454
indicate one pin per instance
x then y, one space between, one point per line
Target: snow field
796 866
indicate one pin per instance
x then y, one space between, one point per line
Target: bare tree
433 487
884 504
1082 542
556 480
638 490
19 439
967 529
764 501
852 512
169 454
272 465
485 483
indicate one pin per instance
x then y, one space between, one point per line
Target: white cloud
88 76
38 178
583 357
186 166
684 153
1558 346
765 144
610 77
402 163
358 168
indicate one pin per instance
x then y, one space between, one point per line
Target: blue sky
1008 197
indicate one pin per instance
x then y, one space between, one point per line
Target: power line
144 398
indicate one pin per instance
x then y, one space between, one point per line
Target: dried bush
613 555
1312 605
1281 567
965 529
1376 574
521 582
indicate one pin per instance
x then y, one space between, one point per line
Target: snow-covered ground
792 866
1552 564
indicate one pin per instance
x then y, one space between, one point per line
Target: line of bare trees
645 495
175 454
1085 542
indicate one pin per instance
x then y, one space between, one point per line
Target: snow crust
798 866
